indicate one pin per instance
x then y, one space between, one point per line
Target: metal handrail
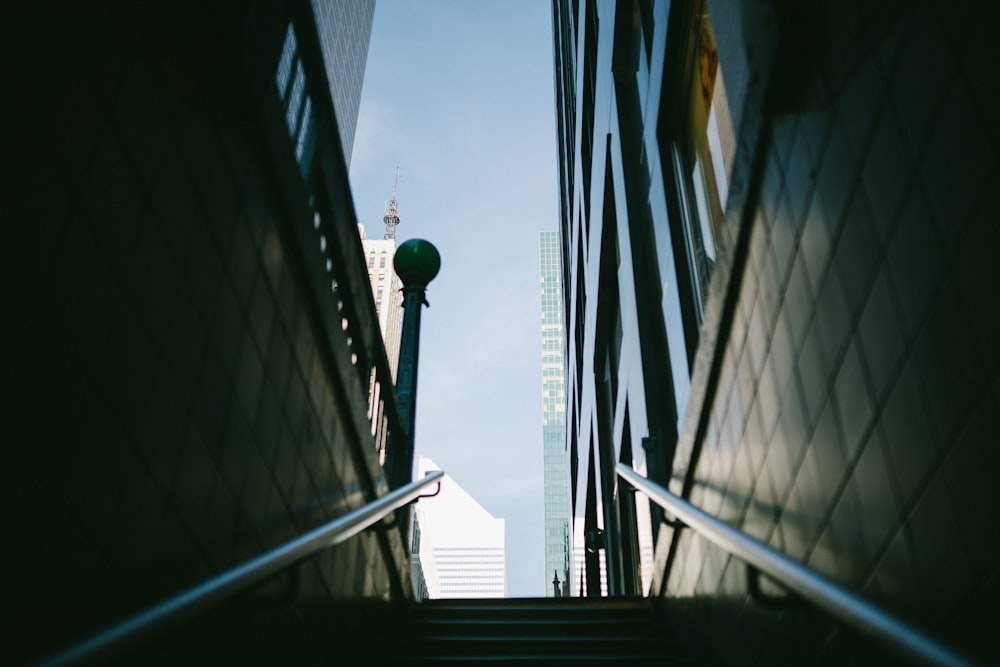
862 616
212 592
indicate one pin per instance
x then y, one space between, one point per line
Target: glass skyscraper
345 30
557 505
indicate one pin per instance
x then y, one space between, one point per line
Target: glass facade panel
556 461
345 30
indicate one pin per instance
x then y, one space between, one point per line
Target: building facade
776 225
386 287
462 546
556 472
579 585
345 31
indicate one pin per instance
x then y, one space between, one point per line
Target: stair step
569 641
546 631
535 603
541 628
659 660
526 660
527 612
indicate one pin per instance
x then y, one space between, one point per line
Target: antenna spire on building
391 217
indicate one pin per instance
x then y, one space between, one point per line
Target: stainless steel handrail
214 591
862 616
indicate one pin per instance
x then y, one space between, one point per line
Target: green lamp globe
417 262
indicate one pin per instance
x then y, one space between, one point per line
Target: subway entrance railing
861 616
204 597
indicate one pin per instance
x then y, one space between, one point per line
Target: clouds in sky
459 95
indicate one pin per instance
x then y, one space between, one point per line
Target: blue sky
458 94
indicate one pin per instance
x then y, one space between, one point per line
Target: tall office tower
386 289
556 471
345 31
385 284
778 236
462 546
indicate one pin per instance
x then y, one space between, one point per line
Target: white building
386 287
462 548
387 292
578 584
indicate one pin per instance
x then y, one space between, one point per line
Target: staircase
544 631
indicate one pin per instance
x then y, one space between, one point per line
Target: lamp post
416 263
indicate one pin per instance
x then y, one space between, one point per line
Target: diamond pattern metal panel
173 414
870 380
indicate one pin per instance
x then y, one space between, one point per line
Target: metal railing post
416 262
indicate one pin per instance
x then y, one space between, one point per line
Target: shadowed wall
180 393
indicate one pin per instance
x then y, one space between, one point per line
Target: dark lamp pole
416 263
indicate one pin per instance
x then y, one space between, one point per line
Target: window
701 153
291 84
